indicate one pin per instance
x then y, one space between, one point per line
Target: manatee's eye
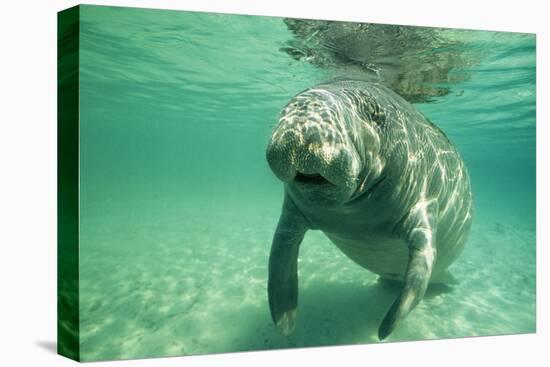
376 114
366 107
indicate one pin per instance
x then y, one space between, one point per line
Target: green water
178 205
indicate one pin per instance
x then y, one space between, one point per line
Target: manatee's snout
281 154
313 154
307 159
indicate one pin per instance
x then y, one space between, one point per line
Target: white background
28 182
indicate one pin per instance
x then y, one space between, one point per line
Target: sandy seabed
181 280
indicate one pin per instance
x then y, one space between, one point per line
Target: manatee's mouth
311 179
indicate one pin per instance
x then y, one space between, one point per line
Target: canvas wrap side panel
67 183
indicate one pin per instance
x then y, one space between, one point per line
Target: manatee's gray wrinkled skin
381 181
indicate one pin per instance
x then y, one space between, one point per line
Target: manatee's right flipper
420 230
282 285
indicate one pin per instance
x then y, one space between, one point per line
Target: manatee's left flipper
282 286
420 230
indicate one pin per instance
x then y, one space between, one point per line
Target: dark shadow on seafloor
329 314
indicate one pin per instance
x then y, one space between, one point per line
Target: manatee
380 180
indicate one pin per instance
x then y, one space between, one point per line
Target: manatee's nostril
312 179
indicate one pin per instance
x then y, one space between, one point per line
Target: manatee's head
323 149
